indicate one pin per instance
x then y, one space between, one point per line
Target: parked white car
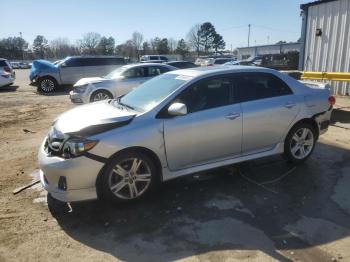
117 83
6 78
7 74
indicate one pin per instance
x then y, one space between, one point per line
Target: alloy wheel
129 178
302 143
100 96
47 85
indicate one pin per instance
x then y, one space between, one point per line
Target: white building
252 51
325 39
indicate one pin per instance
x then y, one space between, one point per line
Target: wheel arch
100 89
49 76
311 121
143 150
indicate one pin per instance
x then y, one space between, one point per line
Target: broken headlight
77 146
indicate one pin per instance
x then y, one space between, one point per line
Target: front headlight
80 89
77 146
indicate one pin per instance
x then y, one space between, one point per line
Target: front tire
47 85
300 143
128 177
100 95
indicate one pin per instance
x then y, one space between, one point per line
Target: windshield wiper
125 105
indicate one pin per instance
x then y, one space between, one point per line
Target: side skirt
168 175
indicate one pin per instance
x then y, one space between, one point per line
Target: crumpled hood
88 80
42 66
92 119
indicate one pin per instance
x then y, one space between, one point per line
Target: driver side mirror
63 65
177 109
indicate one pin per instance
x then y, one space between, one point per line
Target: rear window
221 61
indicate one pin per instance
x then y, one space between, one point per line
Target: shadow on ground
61 90
11 88
226 210
340 116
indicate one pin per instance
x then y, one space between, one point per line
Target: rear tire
100 95
127 177
47 84
300 143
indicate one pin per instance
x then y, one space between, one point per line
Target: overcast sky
271 20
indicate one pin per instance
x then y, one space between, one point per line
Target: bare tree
126 49
146 48
137 39
154 42
89 43
194 38
61 47
172 43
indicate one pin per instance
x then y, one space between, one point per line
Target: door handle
290 105
232 116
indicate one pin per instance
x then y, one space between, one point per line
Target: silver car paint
164 137
116 87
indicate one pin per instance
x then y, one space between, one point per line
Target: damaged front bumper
69 180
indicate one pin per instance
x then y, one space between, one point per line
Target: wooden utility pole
249 34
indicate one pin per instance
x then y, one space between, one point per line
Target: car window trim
163 114
237 89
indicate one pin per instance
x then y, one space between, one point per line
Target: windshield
116 73
59 62
151 93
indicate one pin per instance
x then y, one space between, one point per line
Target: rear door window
153 71
255 86
75 62
135 72
156 70
91 61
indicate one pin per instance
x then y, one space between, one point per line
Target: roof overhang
305 6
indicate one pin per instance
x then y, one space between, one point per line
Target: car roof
145 64
174 62
212 70
95 56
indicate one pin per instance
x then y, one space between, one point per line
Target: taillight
7 69
331 100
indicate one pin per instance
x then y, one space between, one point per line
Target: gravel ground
222 215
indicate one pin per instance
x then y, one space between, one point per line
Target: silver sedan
117 83
180 123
